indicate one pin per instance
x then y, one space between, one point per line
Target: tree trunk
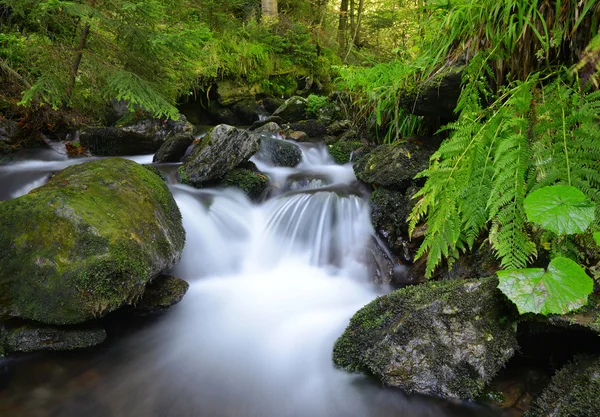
78 55
361 8
343 24
269 8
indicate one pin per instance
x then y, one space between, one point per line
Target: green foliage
563 287
314 103
597 238
563 209
532 135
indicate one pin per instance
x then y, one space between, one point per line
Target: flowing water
272 285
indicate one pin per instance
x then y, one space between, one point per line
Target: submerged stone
279 152
251 183
441 338
87 242
35 337
221 150
573 392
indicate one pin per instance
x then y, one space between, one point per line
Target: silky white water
272 285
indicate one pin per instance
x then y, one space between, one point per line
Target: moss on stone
87 242
447 338
155 171
341 152
573 392
251 183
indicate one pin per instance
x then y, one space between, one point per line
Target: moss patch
87 242
448 338
251 183
341 152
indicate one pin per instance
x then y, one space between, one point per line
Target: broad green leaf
560 208
597 238
563 287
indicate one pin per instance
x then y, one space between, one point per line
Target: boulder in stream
293 110
279 152
162 293
173 149
342 152
441 338
87 242
221 150
573 392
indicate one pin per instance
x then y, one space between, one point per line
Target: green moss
87 242
438 338
183 176
573 392
342 151
155 171
251 183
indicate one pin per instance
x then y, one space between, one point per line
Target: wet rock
270 128
260 123
573 392
279 152
162 293
34 337
9 131
342 152
87 242
313 128
338 127
297 136
389 211
379 262
222 115
173 149
441 338
142 137
271 103
293 110
221 150
246 111
253 184
393 165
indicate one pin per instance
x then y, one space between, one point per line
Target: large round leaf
563 287
560 208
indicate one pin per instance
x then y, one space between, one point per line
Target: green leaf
563 287
560 208
597 238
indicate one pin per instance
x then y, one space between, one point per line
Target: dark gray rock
293 110
389 212
141 137
380 263
338 127
279 152
445 338
162 293
573 392
313 128
270 128
260 123
272 103
393 165
246 111
297 136
173 149
9 132
36 337
251 182
221 150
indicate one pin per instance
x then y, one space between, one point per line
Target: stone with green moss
162 293
444 338
251 183
341 152
573 392
393 165
279 152
222 149
87 242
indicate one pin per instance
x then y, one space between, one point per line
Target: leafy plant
314 103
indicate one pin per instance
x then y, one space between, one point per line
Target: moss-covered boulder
270 128
30 337
341 152
279 152
87 242
441 338
393 165
173 149
251 183
573 392
293 110
221 150
162 293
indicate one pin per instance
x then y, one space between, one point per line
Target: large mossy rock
573 392
87 242
393 165
441 338
279 152
141 137
342 152
293 110
221 150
